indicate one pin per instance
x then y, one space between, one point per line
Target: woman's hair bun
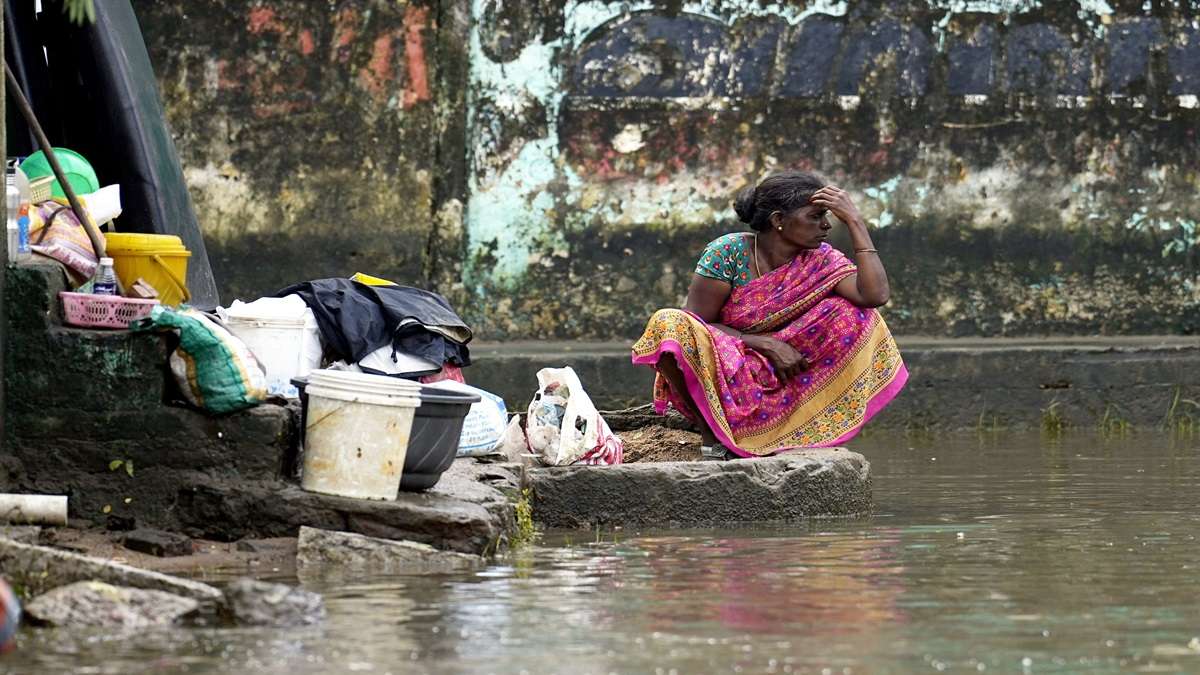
743 206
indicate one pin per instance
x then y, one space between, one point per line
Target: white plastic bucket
356 433
287 348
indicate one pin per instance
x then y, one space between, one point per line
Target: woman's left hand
838 202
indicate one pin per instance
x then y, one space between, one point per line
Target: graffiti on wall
621 115
643 55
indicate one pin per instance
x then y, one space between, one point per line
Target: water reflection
827 584
1008 553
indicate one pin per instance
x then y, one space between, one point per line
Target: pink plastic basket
103 311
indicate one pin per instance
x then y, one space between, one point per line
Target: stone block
329 552
158 543
25 534
467 511
260 603
94 603
39 568
803 484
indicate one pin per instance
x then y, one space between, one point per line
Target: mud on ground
660 444
211 560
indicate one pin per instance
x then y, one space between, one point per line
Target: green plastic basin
78 170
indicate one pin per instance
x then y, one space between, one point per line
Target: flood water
1006 553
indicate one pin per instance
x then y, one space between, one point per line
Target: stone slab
36 569
326 551
158 543
94 603
809 483
467 511
249 602
26 534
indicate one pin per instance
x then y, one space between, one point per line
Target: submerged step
803 484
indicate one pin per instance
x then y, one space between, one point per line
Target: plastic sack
483 429
563 426
215 371
55 232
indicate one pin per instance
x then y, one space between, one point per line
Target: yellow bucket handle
174 279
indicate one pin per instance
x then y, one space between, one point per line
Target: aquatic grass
525 531
1113 426
616 538
1178 422
1053 423
987 423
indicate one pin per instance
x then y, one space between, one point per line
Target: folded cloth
356 319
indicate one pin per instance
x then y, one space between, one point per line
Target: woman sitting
779 345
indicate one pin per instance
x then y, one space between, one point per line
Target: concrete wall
312 133
1029 167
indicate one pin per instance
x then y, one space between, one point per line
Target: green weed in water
1179 422
1052 420
1111 425
525 532
987 423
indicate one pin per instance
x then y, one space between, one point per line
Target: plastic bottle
23 250
14 238
106 278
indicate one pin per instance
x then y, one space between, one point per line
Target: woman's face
807 226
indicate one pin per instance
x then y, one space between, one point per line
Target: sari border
877 403
695 388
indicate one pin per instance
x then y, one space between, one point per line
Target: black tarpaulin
94 91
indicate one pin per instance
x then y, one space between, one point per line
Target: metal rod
27 111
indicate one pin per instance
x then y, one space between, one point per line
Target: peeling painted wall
1028 167
310 132
556 167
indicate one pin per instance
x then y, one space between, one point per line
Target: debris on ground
660 444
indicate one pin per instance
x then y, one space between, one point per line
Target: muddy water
1004 554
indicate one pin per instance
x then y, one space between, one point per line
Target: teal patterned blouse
728 259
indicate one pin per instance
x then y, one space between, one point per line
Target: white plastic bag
388 361
564 427
483 429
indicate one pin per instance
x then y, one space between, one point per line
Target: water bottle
106 279
23 250
14 232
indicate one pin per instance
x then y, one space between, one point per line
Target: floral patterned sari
855 367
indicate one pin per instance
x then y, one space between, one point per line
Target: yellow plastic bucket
160 259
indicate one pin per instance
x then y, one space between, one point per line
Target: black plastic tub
433 442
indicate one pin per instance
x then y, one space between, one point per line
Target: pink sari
855 369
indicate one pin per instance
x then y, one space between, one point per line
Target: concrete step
90 370
954 383
469 510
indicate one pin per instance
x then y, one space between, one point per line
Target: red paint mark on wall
378 73
417 87
344 34
307 44
263 19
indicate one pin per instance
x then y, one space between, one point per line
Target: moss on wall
1027 167
555 168
309 133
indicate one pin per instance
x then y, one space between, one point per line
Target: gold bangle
865 250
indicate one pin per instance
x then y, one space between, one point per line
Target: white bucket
287 348
356 433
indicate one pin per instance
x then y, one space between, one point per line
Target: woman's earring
779 227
